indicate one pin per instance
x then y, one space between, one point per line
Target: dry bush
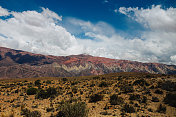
78 109
95 98
115 100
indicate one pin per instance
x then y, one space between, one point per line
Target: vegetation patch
116 100
31 91
77 109
95 98
170 99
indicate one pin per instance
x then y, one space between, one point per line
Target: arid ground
117 94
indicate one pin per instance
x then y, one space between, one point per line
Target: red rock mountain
21 64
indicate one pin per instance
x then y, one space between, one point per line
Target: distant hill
21 64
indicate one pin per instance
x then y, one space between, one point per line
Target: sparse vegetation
141 82
31 91
95 98
127 89
37 83
27 113
103 84
161 109
128 108
115 99
44 94
120 94
78 109
170 99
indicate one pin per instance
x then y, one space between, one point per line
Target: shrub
170 99
31 91
78 109
115 100
50 109
158 91
74 90
51 91
44 94
168 86
41 94
161 109
95 98
144 99
140 82
96 77
74 83
128 109
126 89
134 97
37 83
103 84
28 113
155 99
48 82
148 76
16 91
64 79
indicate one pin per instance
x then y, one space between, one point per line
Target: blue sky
139 30
89 10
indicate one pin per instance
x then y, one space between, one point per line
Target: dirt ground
124 94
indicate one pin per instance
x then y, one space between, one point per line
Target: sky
137 30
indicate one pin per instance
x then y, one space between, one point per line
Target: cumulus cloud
37 32
160 39
3 12
154 18
173 58
42 32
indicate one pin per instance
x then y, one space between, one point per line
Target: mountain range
21 64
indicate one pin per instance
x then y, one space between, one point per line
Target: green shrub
155 99
126 89
96 77
31 91
168 86
128 109
115 100
27 113
170 99
74 83
141 82
78 109
95 98
144 99
41 94
51 91
158 91
44 94
64 79
134 97
161 109
48 82
74 90
37 83
103 84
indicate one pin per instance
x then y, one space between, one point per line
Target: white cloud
115 10
50 14
173 58
160 40
3 12
40 32
154 18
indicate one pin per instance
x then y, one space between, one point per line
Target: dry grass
116 94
